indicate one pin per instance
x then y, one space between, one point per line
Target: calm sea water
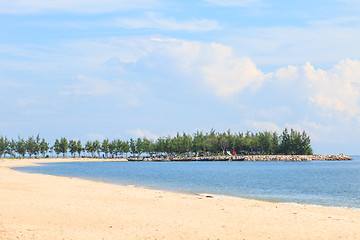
321 183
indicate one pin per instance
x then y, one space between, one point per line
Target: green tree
63 146
265 143
118 144
72 147
239 143
31 146
177 142
146 145
289 142
90 148
199 142
79 148
170 145
160 145
139 146
97 147
187 142
231 140
285 144
125 147
43 147
132 146
56 147
306 144
112 148
105 147
223 142
212 142
12 148
274 143
37 145
20 147
4 146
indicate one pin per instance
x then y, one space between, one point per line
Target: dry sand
36 206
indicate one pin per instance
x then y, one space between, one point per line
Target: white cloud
281 46
95 136
212 63
80 6
264 126
229 75
83 86
318 132
336 89
335 92
315 130
138 133
156 21
34 105
287 74
237 3
89 86
213 67
275 113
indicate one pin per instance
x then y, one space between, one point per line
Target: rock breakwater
297 158
254 158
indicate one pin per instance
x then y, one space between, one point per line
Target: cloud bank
212 63
335 91
138 133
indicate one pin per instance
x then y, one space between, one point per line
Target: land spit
291 158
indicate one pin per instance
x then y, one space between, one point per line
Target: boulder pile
317 157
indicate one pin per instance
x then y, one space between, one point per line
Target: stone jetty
297 158
250 158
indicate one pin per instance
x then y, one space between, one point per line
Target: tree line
291 142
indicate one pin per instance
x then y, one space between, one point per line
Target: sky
98 69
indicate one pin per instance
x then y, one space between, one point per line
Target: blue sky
119 69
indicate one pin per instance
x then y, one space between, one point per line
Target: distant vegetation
212 143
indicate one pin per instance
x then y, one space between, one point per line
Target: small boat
181 159
237 159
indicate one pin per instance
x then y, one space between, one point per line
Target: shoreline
246 158
75 208
39 161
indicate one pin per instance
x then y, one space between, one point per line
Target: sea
326 183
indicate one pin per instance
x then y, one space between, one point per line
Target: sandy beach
36 206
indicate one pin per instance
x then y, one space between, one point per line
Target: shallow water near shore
327 183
